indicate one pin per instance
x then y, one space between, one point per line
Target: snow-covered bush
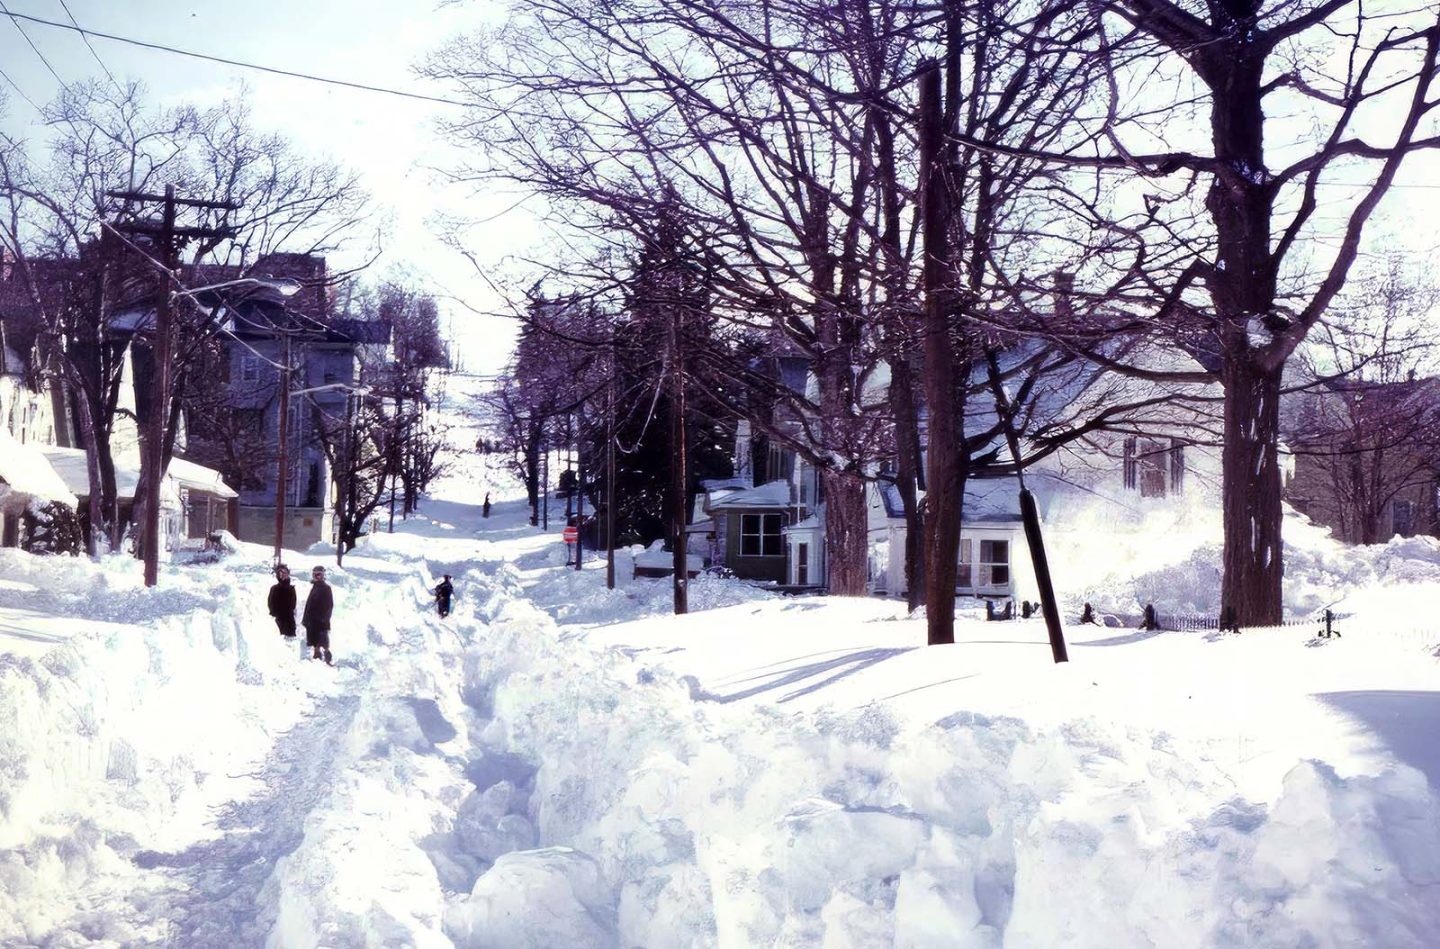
52 528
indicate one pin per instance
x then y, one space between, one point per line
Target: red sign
570 533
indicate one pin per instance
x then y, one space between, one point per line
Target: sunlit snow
557 764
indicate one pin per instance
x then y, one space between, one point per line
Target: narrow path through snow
214 896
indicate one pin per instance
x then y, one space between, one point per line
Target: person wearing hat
443 592
316 618
282 605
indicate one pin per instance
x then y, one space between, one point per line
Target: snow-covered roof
988 500
199 478
69 464
25 471
770 494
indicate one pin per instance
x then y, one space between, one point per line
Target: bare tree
1364 427
1222 243
83 275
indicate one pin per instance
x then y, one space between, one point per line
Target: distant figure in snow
485 508
443 592
316 618
282 604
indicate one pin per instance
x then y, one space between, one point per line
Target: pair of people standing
319 606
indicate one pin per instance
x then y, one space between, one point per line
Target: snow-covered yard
561 765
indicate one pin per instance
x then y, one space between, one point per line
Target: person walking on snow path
485 508
443 593
316 618
282 605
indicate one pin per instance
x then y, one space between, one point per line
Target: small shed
205 498
750 529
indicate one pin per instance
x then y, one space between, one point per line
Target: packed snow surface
559 764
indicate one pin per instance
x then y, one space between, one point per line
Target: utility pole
1029 516
678 477
544 483
345 477
283 460
165 235
610 467
579 506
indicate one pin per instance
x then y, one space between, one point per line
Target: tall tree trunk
1243 288
908 477
944 477
847 530
92 469
1253 565
532 471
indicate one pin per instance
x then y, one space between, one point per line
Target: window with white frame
994 563
760 535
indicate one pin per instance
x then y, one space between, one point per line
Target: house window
1177 465
1402 517
804 480
1131 468
994 563
760 535
250 421
802 564
779 463
964 573
249 368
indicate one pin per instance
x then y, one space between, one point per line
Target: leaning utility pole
164 234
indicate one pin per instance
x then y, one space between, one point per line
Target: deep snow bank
747 826
127 732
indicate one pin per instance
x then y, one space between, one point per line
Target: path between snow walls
494 779
738 827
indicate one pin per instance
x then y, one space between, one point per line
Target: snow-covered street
558 764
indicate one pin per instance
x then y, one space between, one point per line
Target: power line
13 85
88 45
228 62
16 23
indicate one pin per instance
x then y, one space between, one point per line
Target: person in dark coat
316 618
282 603
485 509
443 593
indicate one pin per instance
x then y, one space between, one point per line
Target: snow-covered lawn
557 764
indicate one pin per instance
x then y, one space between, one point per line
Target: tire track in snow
218 888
